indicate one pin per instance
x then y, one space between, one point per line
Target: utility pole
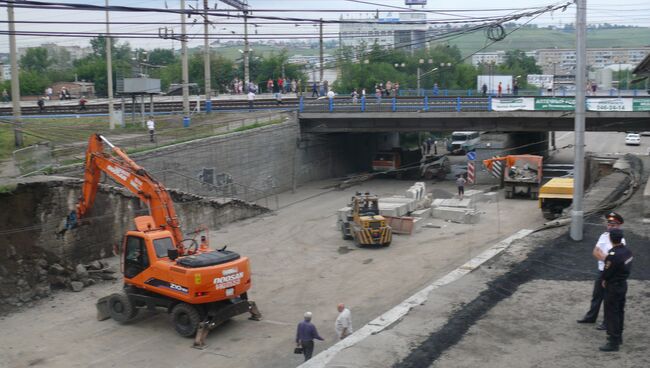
577 213
109 71
15 83
322 62
185 73
246 52
206 62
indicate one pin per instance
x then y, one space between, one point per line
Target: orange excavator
200 287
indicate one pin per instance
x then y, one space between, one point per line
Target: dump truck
521 175
162 269
363 223
555 196
398 162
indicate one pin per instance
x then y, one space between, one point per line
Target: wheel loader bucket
103 312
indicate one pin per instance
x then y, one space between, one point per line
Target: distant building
408 32
493 57
76 52
5 72
563 61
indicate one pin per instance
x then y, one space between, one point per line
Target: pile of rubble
25 280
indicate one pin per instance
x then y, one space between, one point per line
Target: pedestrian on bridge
82 103
314 90
251 100
499 89
484 89
41 104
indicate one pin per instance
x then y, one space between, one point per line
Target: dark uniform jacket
618 265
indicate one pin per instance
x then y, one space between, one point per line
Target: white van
463 142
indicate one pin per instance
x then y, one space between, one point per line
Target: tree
35 60
162 57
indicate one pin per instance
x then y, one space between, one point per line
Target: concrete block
342 213
437 202
412 193
474 195
417 224
455 202
454 214
490 196
422 213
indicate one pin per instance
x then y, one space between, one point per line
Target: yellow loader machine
363 223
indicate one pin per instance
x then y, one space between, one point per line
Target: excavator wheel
121 308
186 319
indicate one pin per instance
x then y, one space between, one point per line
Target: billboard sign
540 80
415 2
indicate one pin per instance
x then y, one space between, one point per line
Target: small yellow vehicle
555 196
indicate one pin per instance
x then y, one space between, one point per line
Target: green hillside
532 39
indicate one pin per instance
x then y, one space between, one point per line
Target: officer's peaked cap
614 217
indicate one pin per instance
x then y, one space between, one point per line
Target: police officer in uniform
618 265
614 221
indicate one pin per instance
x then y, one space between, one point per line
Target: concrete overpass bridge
511 114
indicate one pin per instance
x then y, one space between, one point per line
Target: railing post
446 92
426 103
634 92
394 102
302 105
363 103
489 106
331 104
458 103
469 92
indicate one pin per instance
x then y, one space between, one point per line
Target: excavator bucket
103 312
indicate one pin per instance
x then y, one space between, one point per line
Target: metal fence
223 187
34 158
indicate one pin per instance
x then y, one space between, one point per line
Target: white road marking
399 311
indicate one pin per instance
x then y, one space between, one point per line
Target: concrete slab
459 215
455 202
426 212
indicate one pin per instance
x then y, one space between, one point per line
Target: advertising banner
554 104
641 104
609 104
512 104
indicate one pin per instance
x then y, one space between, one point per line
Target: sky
629 12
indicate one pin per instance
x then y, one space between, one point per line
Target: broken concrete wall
33 240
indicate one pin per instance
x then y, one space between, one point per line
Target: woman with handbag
305 335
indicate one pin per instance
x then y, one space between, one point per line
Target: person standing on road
460 183
251 99
600 251
305 335
343 324
151 126
618 265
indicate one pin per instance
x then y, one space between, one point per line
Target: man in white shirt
151 126
343 324
331 94
600 251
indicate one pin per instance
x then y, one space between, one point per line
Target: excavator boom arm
133 177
